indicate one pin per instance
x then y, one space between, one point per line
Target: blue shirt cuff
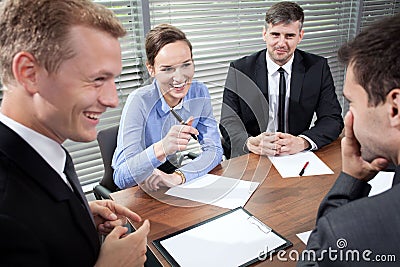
152 157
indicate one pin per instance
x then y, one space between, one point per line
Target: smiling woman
150 135
174 69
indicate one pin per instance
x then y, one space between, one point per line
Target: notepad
382 181
291 165
304 236
216 190
234 238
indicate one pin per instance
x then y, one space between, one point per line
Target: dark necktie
72 178
281 106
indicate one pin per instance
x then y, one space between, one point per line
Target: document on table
216 190
291 165
234 238
304 236
381 182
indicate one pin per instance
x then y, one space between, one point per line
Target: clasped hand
273 144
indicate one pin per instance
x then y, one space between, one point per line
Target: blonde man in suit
58 60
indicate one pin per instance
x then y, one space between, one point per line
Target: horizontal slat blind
373 10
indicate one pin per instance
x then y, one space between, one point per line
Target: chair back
107 139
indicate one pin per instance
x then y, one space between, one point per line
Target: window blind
373 10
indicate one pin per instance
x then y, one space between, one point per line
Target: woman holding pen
158 120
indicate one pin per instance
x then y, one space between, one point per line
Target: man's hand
120 249
290 144
264 144
352 162
108 215
159 178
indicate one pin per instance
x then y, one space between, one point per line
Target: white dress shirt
273 94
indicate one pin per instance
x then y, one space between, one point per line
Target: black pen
304 168
181 121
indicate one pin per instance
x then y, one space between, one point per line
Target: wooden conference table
289 206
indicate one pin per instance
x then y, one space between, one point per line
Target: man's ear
25 70
301 35
264 34
393 99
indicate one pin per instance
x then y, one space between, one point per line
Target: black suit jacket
42 222
245 101
351 223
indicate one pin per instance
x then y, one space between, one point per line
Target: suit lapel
296 85
262 74
261 78
298 72
34 166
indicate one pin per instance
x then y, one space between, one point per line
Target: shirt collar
50 150
165 108
272 67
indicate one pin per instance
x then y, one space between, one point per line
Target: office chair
107 140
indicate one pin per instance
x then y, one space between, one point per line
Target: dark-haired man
254 118
353 229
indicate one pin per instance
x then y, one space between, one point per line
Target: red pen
304 168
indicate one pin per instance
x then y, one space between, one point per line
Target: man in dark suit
364 230
58 79
250 110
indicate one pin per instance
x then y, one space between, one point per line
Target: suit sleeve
345 190
231 126
329 123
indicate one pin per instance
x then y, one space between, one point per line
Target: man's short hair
42 27
284 12
375 57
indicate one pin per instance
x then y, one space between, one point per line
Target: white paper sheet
304 236
382 182
230 240
216 190
291 165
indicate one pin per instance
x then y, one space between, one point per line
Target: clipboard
234 238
